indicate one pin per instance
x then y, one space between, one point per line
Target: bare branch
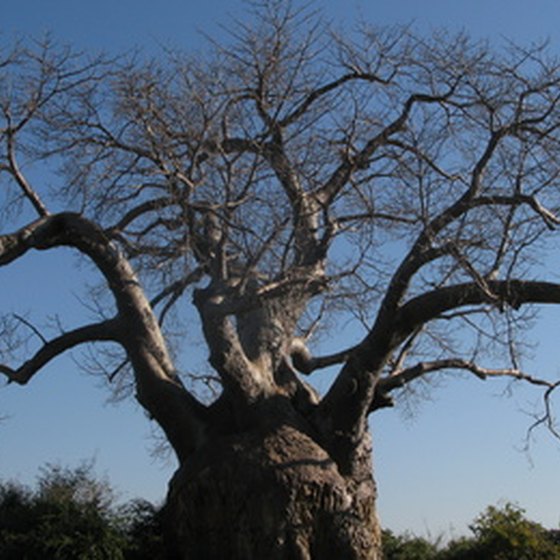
548 417
304 106
20 178
361 160
138 211
399 378
174 291
105 331
32 327
431 305
421 252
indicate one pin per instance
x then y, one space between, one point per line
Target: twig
31 327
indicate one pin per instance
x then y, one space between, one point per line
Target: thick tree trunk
272 493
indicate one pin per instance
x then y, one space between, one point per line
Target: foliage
505 534
71 515
499 533
407 547
144 531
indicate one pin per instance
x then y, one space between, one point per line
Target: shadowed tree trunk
273 492
291 182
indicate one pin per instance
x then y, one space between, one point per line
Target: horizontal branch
400 378
375 216
431 305
548 217
104 331
423 251
350 398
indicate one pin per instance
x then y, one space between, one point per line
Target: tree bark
274 492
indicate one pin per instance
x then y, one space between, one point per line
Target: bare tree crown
291 176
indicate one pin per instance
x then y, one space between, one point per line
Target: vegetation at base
499 533
72 515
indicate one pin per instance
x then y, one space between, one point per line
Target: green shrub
504 533
69 517
407 547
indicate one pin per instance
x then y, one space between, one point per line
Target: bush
407 547
144 531
72 516
499 533
505 534
67 518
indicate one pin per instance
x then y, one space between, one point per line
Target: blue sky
436 470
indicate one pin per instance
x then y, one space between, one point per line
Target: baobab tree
289 177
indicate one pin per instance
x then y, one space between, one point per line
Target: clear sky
437 470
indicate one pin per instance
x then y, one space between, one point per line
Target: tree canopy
290 175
